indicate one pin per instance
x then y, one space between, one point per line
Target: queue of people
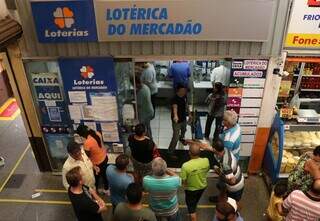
297 200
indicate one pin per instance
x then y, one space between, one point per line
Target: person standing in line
231 135
149 78
86 203
303 206
142 151
179 112
227 211
220 74
216 101
119 179
145 109
77 157
95 150
194 178
274 210
179 71
163 186
231 180
133 210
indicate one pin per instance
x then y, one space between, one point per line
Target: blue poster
91 88
49 97
64 21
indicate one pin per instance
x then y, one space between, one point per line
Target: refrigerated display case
299 108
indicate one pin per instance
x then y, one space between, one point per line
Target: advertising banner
157 20
91 88
54 117
304 25
146 20
64 21
243 69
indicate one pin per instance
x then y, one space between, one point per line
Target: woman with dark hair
306 171
216 101
94 148
143 150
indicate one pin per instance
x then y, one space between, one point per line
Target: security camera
276 71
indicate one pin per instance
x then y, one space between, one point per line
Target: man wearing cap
227 211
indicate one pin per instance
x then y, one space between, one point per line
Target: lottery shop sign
304 25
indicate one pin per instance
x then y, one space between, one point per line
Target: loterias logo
314 3
64 19
86 72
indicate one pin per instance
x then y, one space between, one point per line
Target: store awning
10 30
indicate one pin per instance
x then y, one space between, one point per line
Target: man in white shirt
77 157
220 74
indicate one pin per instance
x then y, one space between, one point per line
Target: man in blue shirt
119 179
231 136
180 73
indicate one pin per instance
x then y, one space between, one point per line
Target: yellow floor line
6 104
50 191
63 202
14 168
35 201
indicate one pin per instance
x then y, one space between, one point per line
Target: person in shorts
194 178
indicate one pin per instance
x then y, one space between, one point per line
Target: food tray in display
308 115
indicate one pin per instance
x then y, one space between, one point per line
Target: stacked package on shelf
295 144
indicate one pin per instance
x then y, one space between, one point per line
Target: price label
287 127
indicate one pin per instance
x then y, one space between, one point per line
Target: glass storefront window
47 90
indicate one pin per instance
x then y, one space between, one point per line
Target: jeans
103 167
174 217
179 130
218 122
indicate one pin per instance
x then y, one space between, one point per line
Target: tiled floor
162 128
16 204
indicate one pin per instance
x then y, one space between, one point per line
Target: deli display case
296 126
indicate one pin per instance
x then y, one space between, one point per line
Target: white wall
271 92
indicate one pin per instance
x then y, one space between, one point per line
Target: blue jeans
174 217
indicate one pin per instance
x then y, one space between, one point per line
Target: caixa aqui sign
64 21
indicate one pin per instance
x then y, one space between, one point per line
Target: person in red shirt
94 148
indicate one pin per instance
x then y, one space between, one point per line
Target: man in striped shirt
162 187
231 180
303 206
231 136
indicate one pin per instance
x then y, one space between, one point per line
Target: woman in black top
216 101
142 151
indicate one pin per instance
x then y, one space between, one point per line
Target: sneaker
2 161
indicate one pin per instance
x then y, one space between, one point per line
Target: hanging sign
304 25
157 20
183 20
